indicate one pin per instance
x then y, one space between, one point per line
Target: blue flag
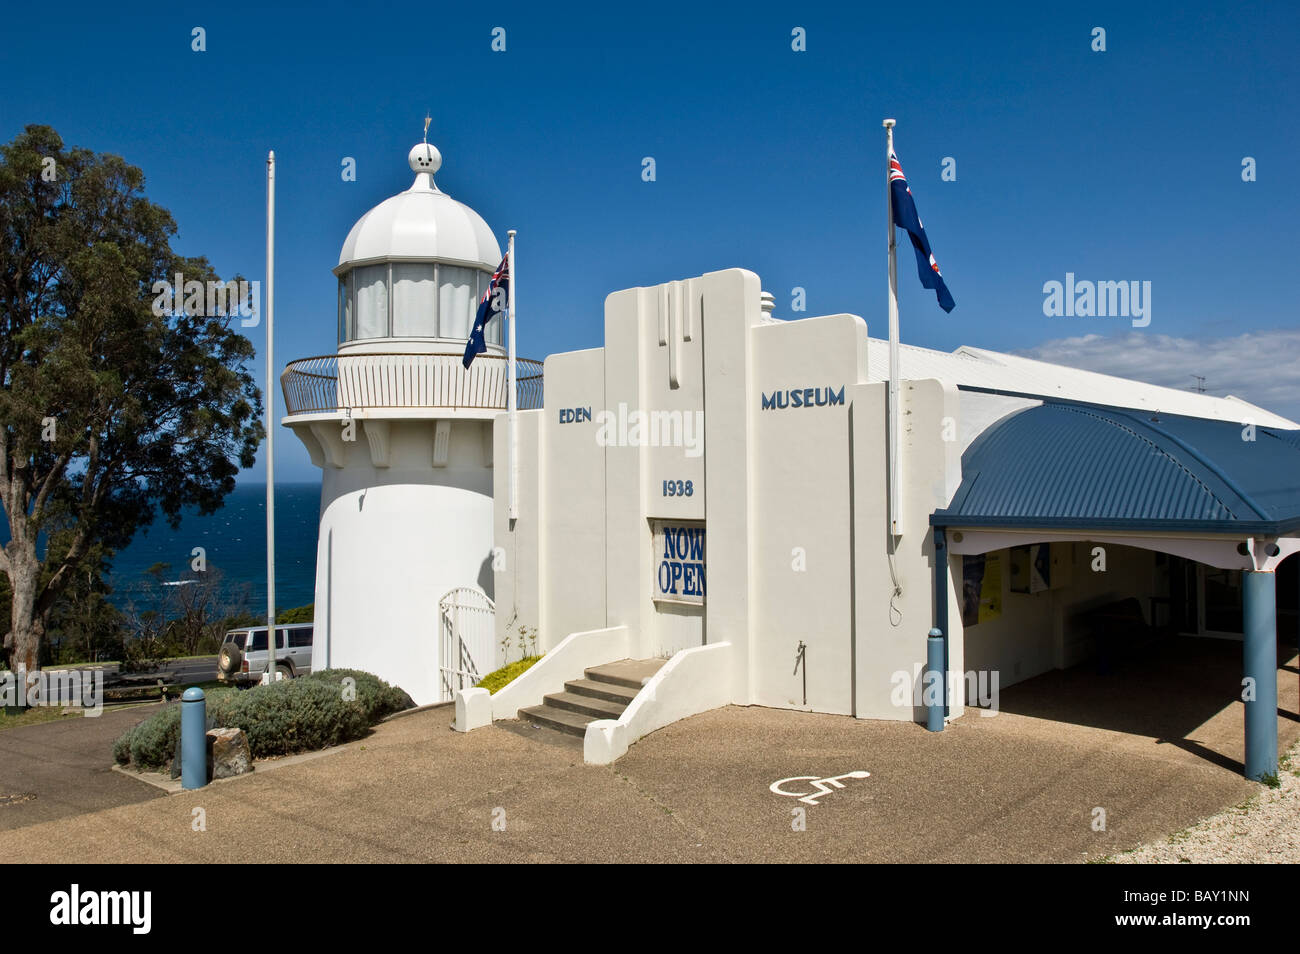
906 217
489 306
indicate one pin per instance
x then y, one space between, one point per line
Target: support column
941 604
1259 665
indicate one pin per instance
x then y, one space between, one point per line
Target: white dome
422 224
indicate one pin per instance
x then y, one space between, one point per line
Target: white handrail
399 380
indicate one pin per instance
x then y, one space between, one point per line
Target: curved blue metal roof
1070 465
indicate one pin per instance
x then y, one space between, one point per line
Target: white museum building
700 513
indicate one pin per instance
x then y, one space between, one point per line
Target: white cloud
1261 367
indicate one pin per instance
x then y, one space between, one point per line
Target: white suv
242 658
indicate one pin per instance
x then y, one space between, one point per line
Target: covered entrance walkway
1220 495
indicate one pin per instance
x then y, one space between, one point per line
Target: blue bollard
933 676
1259 650
194 741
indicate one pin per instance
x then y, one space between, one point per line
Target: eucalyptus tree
113 409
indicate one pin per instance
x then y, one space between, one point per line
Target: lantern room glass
372 301
415 302
456 300
412 300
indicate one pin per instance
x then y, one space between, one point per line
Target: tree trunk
26 625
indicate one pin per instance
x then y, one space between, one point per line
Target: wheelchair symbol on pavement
820 786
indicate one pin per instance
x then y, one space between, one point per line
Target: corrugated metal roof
1068 464
1011 374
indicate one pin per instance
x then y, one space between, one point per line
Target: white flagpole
894 417
512 400
270 417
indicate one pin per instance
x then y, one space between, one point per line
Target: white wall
572 509
392 542
792 498
731 308
803 528
518 573
653 355
892 629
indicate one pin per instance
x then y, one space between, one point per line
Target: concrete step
632 673
562 720
601 690
586 705
603 694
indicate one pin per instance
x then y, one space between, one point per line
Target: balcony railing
388 380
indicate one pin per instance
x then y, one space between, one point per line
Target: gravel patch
1265 829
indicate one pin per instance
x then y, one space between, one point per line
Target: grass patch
1287 764
495 680
33 715
207 685
84 665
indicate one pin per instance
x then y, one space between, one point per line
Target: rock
228 753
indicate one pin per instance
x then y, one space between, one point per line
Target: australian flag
905 217
489 307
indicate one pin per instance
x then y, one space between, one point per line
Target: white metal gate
467 638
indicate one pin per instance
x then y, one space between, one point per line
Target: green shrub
377 698
299 614
506 674
152 743
122 748
144 654
293 715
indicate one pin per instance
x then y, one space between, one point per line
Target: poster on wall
981 588
679 561
1031 568
1040 567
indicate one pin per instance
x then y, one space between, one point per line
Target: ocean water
234 539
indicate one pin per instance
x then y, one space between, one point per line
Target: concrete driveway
1021 786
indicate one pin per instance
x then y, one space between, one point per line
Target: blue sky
1115 165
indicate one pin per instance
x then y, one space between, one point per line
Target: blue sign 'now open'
680 564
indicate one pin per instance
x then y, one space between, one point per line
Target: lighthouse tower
403 435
